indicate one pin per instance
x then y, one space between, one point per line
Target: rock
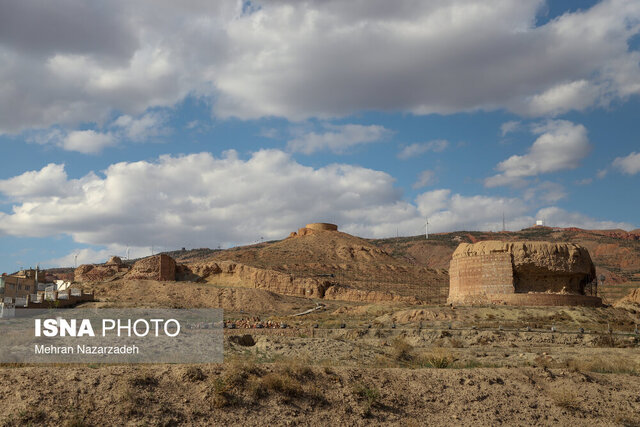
115 260
230 273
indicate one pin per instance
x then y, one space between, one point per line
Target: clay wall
481 275
167 268
322 226
549 281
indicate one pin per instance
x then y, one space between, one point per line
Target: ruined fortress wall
167 268
520 273
322 226
480 275
158 267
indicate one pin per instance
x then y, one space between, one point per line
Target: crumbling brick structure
158 267
313 228
521 273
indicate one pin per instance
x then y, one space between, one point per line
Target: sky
150 125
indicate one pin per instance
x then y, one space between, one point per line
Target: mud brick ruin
521 273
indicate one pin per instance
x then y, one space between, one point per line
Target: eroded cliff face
229 273
539 266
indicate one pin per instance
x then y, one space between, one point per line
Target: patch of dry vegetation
565 397
609 365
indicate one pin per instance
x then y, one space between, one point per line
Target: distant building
539 223
19 285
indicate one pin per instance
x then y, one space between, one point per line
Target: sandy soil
275 394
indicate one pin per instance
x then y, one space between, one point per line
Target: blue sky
217 125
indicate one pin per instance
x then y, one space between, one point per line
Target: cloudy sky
163 124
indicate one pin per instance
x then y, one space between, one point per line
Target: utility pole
503 226
426 231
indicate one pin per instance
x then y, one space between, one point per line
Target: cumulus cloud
82 61
199 200
510 126
561 145
546 192
142 128
426 177
87 141
629 164
99 255
50 181
419 148
337 138
558 217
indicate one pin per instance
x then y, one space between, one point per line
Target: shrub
194 374
370 396
439 358
565 397
283 383
402 350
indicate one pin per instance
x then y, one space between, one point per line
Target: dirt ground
292 394
351 364
357 375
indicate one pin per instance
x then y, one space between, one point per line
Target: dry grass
194 374
282 382
220 393
565 397
439 358
402 350
610 365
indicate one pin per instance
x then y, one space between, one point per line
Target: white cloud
448 211
140 129
87 141
602 173
50 181
629 164
337 138
426 177
99 255
510 126
419 148
202 201
561 145
546 192
584 181
557 217
81 61
561 98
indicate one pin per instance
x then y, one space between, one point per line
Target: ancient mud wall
481 275
319 226
515 272
158 267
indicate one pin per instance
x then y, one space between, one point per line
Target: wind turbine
426 226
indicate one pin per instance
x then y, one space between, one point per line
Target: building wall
16 286
480 275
